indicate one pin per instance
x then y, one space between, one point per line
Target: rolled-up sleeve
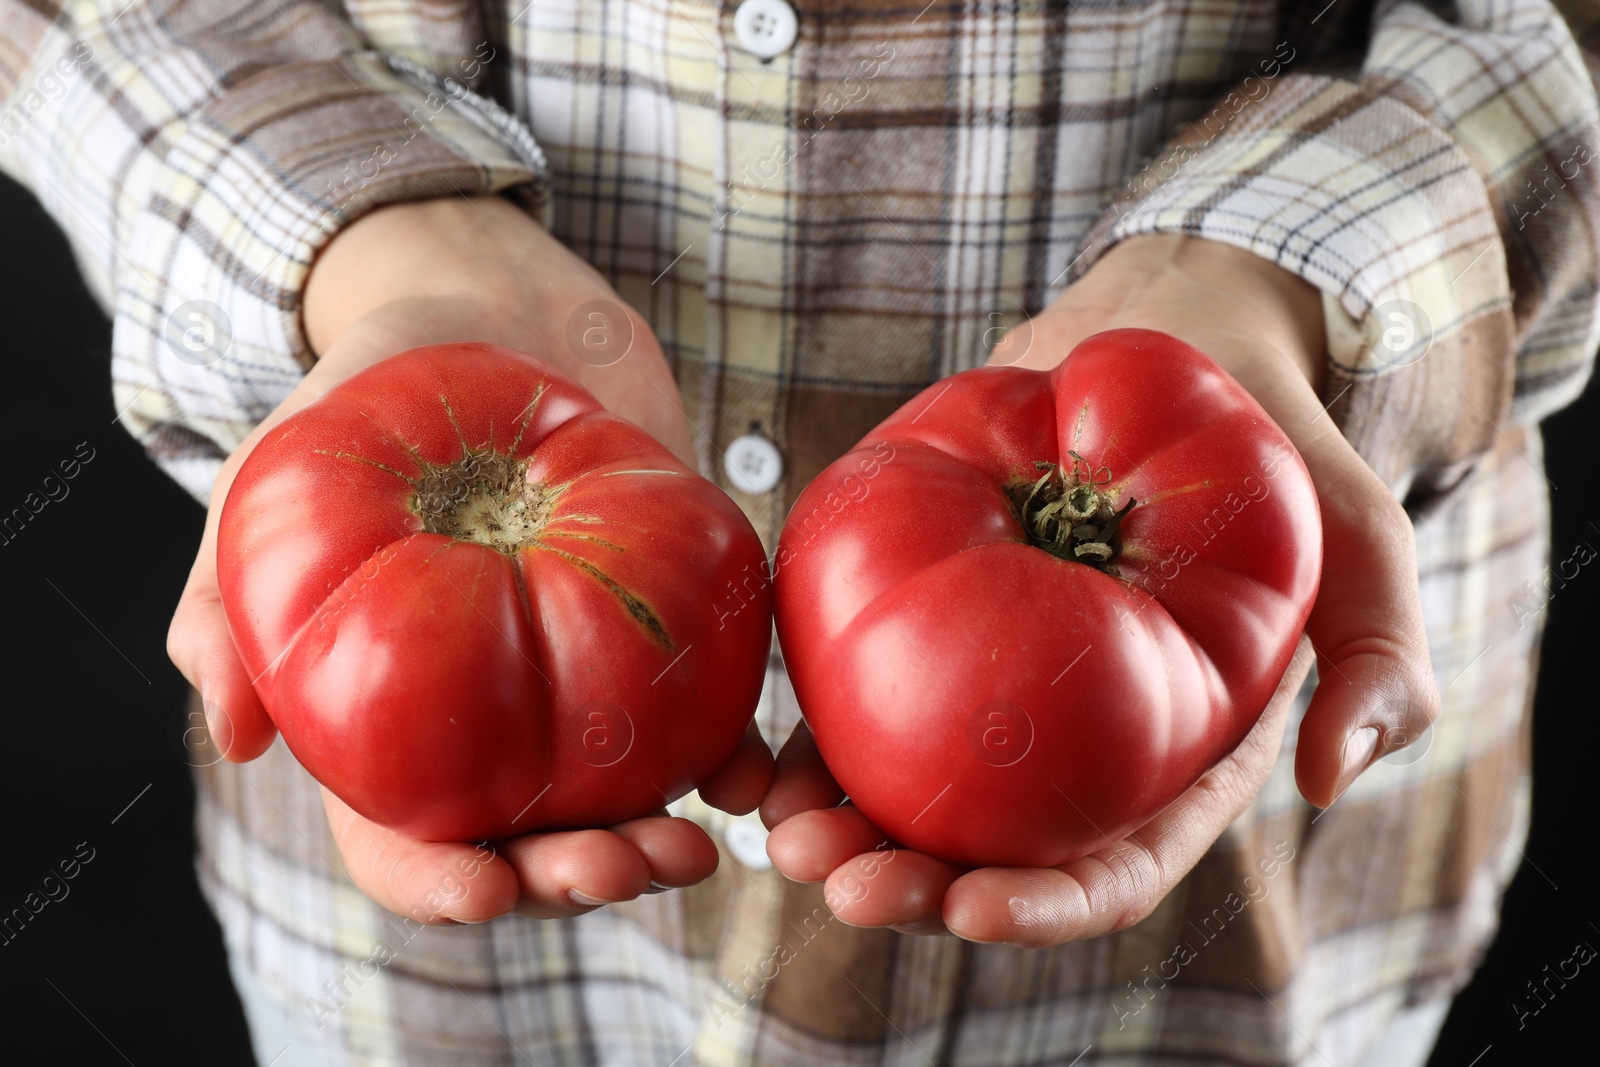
199 155
1442 196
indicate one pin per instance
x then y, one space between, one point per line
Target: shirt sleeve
1440 193
199 154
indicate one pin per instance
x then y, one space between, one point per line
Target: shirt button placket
746 328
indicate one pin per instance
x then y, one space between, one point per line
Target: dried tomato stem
484 497
1068 515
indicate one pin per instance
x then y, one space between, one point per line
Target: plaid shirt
814 238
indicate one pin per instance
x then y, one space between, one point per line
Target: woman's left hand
1264 326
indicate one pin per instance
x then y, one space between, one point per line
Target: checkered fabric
814 238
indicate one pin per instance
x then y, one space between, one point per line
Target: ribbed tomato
477 604
1032 608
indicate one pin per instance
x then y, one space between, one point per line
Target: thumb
201 646
1376 690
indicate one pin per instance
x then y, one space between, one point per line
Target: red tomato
1032 608
477 604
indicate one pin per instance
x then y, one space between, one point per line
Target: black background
129 967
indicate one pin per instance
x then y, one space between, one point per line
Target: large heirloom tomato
1032 608
477 604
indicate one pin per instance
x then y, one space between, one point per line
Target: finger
677 851
741 783
800 781
200 644
810 845
1120 885
432 882
571 872
891 887
1376 690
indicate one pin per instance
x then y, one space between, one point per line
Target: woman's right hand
466 269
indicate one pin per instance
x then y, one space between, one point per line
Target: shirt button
765 28
752 463
747 840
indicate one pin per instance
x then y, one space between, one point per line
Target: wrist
1221 289
480 253
479 269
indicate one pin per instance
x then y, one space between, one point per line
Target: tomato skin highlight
985 701
549 655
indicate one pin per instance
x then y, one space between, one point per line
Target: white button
747 840
753 463
765 28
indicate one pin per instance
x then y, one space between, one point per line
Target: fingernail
657 887
217 724
1358 750
584 900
